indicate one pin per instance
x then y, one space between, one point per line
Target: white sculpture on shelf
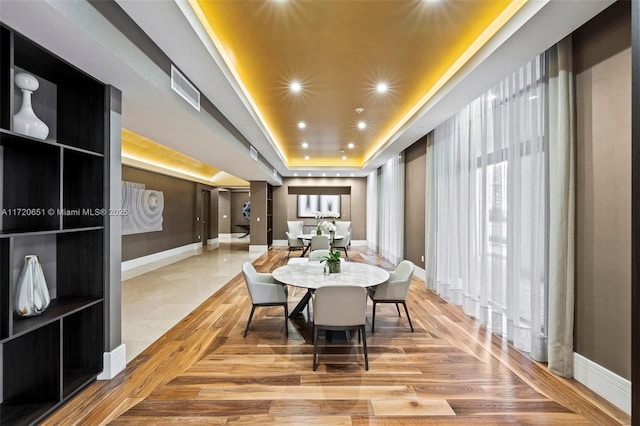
32 294
25 121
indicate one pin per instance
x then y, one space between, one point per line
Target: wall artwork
308 205
144 208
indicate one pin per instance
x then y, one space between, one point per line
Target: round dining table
311 275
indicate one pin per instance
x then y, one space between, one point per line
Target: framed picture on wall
308 205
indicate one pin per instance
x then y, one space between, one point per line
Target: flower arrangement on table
332 260
325 215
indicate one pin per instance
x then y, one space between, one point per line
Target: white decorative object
32 294
142 208
25 121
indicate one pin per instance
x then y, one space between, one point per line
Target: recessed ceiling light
344 157
382 87
351 145
337 174
362 125
308 174
352 175
302 125
305 145
324 174
295 174
306 157
295 86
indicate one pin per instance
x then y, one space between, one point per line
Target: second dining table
311 275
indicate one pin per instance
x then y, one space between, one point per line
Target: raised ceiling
339 51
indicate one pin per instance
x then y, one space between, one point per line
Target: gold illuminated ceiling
339 51
139 151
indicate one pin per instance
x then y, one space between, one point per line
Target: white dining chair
343 228
395 290
318 255
294 230
320 242
264 291
340 308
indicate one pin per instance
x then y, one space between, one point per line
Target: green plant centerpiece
332 261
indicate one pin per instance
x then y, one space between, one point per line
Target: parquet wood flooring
450 370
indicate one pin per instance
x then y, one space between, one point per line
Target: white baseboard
359 243
607 384
420 274
255 248
162 255
280 243
213 243
113 362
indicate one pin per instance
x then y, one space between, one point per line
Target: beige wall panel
603 214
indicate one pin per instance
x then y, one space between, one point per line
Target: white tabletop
311 275
309 236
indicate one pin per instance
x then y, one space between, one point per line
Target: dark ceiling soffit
113 13
320 190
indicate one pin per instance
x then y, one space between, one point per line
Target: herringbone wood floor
449 371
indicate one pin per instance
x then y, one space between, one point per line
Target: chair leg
345 252
398 308
315 347
364 345
286 318
246 330
373 319
408 317
289 254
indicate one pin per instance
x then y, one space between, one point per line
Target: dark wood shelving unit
60 182
269 215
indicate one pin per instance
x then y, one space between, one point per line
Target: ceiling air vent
184 88
253 153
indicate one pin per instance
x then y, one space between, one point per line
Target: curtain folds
561 208
486 225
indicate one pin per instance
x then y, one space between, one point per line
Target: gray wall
224 209
602 66
352 204
178 225
414 201
237 199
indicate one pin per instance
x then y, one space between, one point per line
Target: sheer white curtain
372 210
391 210
490 195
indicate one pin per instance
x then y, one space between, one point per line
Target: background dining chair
393 291
264 291
320 242
318 255
340 308
295 229
343 228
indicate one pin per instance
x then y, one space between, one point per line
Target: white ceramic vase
31 295
25 121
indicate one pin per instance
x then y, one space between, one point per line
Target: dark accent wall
258 213
602 66
353 202
181 199
236 201
224 209
414 201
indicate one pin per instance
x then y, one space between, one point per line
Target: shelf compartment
58 308
31 181
31 367
79 106
24 414
80 264
82 343
82 190
5 295
5 78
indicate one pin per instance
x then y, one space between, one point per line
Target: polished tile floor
155 300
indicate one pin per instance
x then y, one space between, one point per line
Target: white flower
328 226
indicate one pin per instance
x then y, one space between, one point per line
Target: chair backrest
320 242
262 287
343 227
340 305
294 227
317 255
398 285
